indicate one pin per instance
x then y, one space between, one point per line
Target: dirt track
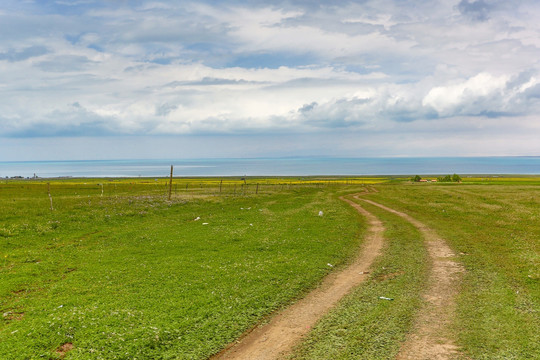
287 328
430 338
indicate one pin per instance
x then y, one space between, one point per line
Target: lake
301 166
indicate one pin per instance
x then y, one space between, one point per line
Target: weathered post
220 185
257 189
170 183
49 192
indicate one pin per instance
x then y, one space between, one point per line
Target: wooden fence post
170 183
49 192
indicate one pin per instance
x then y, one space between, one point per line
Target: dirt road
430 338
287 328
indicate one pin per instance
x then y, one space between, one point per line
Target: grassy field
116 271
494 226
364 326
126 274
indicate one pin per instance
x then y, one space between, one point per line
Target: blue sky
89 79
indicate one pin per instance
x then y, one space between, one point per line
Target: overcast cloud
415 77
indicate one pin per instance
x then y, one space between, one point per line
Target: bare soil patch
13 315
64 349
286 329
430 338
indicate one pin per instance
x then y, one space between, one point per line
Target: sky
118 79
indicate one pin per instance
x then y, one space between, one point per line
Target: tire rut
430 338
278 337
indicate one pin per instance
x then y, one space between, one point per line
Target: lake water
274 167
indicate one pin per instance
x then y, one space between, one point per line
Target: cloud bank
407 68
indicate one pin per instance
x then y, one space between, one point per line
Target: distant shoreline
268 167
306 177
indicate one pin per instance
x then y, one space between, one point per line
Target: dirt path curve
430 338
286 329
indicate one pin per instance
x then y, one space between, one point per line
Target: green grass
363 326
495 229
130 275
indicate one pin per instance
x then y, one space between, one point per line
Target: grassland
493 224
124 273
119 272
364 326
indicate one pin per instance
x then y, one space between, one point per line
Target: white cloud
451 99
197 68
486 94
